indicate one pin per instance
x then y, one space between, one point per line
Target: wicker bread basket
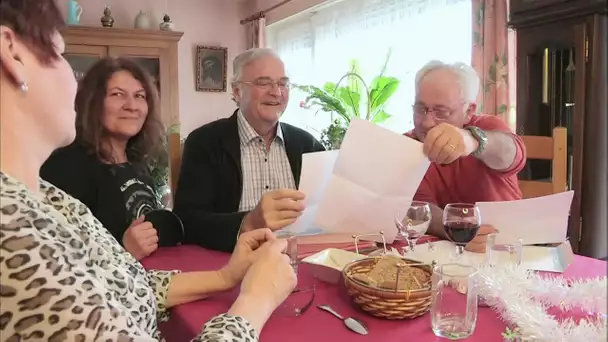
385 303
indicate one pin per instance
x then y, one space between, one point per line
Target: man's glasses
437 113
268 84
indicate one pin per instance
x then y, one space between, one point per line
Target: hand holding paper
316 172
275 210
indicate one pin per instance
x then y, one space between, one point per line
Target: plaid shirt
263 169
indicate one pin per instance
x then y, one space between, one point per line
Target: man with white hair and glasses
241 173
474 157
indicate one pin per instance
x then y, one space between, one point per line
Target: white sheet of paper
317 168
377 172
536 220
549 259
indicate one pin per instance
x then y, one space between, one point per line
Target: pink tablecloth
316 325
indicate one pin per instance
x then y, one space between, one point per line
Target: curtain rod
262 14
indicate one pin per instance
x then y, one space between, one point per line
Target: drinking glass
292 248
461 222
503 253
412 222
454 301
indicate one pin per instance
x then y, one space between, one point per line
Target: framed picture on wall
211 66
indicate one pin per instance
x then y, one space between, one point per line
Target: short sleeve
227 328
160 281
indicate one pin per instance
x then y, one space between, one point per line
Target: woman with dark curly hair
118 131
63 276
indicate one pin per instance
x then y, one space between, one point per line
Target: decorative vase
74 12
167 24
142 21
107 20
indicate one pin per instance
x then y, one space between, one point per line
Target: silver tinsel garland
523 297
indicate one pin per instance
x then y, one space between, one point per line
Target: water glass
454 301
292 248
412 222
503 253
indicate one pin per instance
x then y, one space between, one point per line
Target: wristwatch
481 137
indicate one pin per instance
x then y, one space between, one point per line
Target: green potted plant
353 99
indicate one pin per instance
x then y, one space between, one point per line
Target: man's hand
275 210
478 244
140 239
244 255
445 143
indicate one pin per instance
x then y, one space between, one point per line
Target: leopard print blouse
63 277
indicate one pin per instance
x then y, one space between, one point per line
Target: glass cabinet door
82 57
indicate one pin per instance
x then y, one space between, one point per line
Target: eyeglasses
268 84
437 113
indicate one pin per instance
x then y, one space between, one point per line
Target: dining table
187 320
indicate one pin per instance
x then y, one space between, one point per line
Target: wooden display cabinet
561 81
155 50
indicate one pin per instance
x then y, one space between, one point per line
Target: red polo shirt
468 179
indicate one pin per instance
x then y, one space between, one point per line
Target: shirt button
266 160
267 187
260 140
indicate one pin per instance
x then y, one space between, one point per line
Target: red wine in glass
461 232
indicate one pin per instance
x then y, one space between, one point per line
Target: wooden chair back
175 159
547 148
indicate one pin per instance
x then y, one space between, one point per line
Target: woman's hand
478 244
140 239
268 282
243 255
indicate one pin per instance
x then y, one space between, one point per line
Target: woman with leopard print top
63 276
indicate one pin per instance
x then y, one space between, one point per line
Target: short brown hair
35 22
92 91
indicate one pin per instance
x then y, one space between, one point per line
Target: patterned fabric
263 169
494 59
65 277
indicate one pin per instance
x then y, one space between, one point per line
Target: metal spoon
351 323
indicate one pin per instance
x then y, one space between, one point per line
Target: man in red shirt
474 157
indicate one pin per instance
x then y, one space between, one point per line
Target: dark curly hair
90 132
34 22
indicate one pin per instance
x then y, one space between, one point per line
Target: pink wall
285 11
204 22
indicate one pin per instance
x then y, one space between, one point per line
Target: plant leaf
384 89
351 100
380 116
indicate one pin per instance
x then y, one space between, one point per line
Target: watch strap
481 137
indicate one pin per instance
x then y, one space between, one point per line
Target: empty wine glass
461 222
412 222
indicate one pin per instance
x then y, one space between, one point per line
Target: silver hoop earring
23 87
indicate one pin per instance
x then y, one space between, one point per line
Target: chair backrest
547 148
175 159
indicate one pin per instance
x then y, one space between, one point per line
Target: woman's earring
23 87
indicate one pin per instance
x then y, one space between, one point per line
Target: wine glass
461 222
412 222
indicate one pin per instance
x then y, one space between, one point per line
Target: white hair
467 77
244 58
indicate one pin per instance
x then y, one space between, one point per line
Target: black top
117 194
211 180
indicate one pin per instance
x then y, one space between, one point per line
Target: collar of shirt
247 134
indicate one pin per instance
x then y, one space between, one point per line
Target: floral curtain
493 55
256 33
